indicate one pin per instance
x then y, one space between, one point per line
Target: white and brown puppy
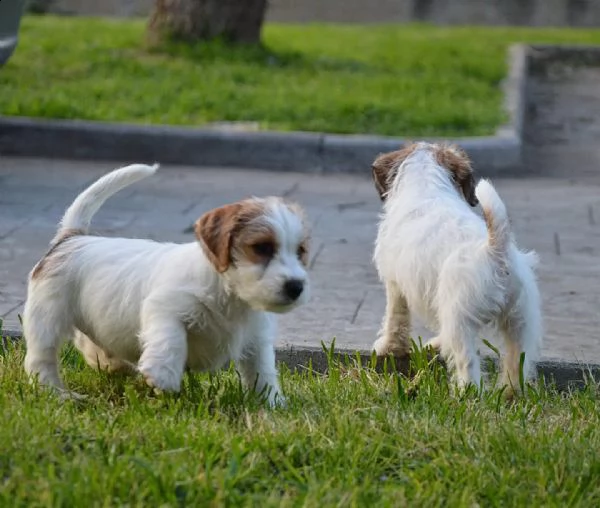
166 306
458 271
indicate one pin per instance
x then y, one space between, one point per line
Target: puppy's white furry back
79 215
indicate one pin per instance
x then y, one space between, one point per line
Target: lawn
351 438
397 80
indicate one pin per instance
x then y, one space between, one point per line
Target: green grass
351 438
396 80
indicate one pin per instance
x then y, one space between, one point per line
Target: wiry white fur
160 306
438 260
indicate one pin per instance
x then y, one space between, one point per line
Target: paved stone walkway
559 218
557 215
562 127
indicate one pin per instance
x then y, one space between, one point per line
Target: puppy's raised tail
496 218
79 215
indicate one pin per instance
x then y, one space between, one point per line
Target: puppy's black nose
293 288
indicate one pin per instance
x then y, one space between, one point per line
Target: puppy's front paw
384 347
162 378
71 395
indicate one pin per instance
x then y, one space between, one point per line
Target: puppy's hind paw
434 343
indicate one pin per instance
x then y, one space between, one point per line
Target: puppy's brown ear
467 186
214 231
380 171
458 164
386 166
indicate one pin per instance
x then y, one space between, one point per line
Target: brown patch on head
240 231
303 250
457 162
217 229
386 166
52 258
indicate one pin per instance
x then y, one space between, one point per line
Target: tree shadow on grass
257 55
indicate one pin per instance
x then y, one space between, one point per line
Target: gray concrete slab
348 300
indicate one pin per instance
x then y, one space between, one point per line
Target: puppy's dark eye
264 249
301 251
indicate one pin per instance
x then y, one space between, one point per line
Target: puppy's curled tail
496 218
79 215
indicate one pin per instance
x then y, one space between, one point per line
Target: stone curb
565 375
280 151
515 90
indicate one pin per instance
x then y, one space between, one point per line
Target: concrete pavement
559 218
554 205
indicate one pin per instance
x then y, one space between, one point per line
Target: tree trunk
200 20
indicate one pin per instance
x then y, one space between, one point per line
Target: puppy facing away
165 307
457 271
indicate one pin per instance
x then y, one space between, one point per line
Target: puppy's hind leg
522 326
97 358
394 336
457 342
46 324
522 333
